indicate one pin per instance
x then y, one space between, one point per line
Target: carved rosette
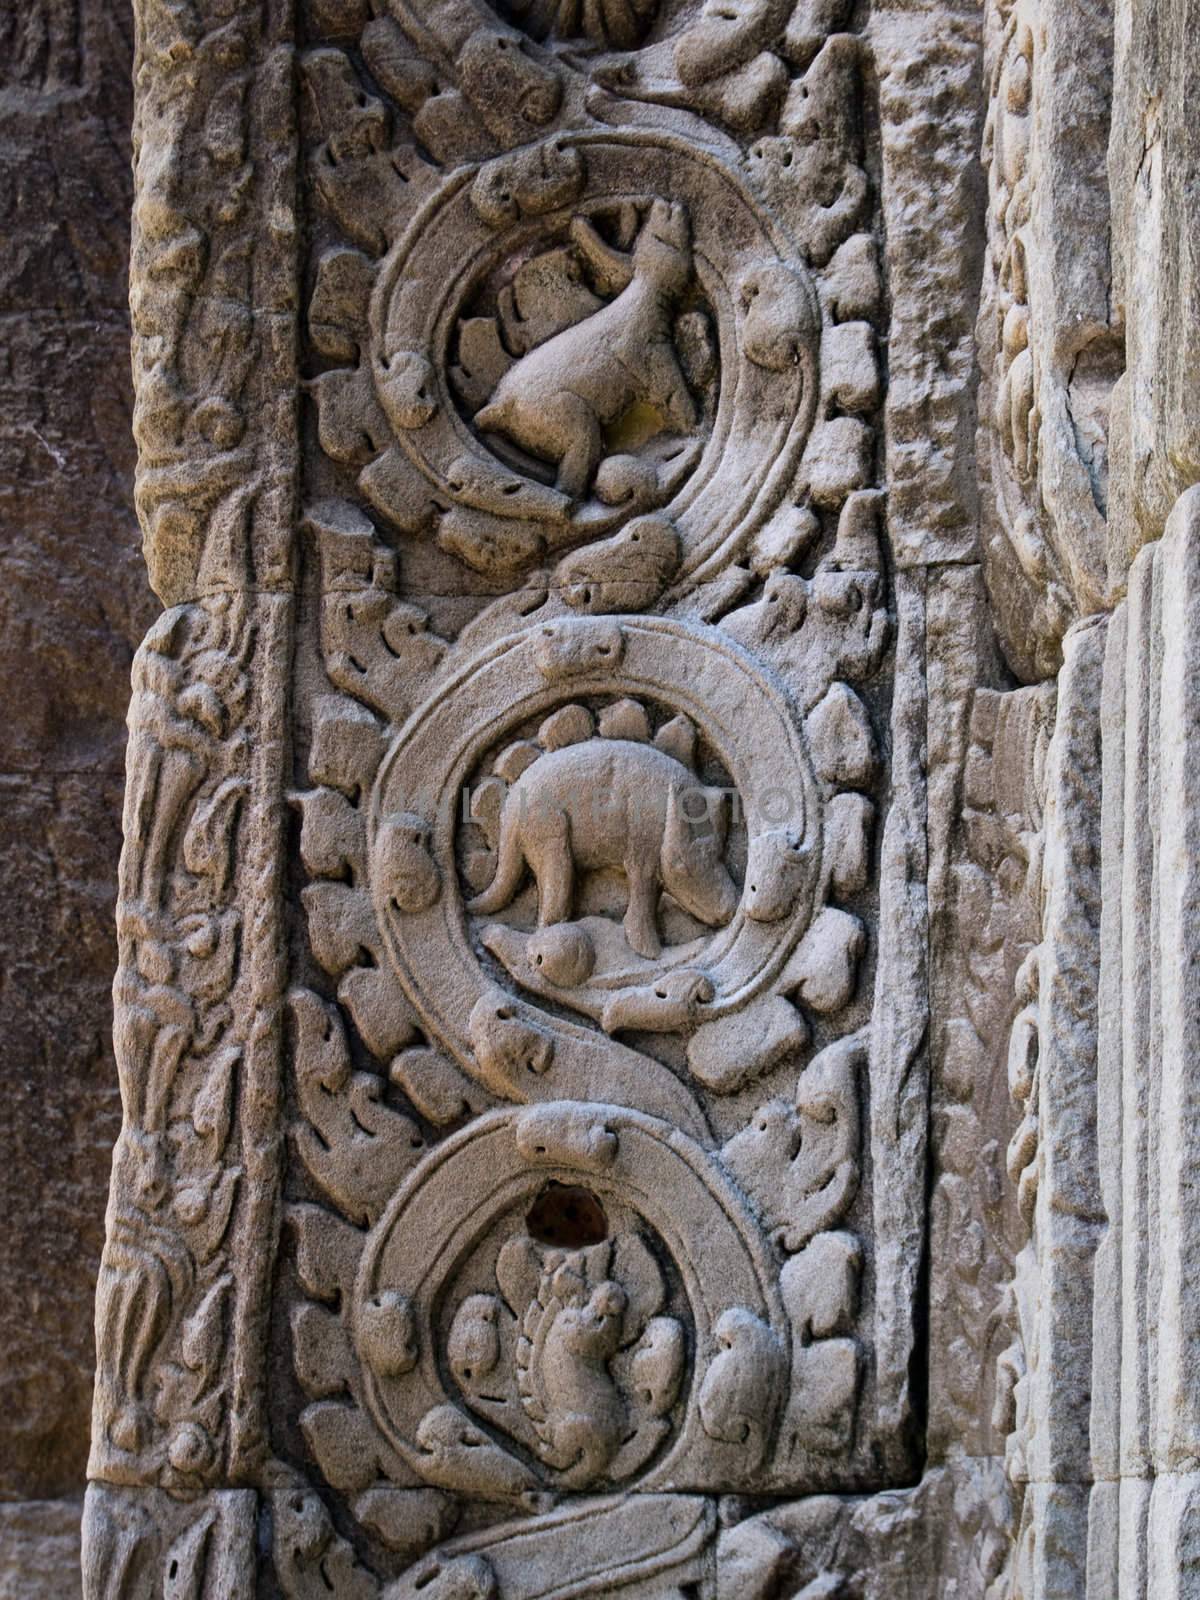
576 1358
692 669
696 358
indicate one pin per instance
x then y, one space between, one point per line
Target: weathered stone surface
655 928
39 1550
73 602
1153 157
60 842
929 62
1050 337
146 1543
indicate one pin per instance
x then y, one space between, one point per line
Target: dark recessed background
73 604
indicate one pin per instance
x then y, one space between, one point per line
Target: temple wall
654 966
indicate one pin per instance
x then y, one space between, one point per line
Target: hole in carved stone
567 1216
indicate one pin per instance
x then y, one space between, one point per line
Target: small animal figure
474 1346
457 1455
571 1332
670 1002
558 399
625 573
614 803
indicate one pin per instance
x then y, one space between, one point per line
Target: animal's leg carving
548 848
611 269
583 1452
641 917
579 429
667 387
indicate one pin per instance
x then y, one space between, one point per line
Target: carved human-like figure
558 399
614 803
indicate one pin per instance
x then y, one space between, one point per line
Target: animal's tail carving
510 864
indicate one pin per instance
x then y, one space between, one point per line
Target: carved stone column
584 857
180 1439
1102 1375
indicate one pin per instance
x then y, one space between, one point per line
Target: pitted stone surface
73 604
637 807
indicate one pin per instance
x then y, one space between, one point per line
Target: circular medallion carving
557 353
645 907
497 1361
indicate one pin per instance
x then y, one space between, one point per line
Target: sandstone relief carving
567 1317
1047 329
593 887
556 401
986 1306
617 24
655 1010
642 827
593 1156
162 1403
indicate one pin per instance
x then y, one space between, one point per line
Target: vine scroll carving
583 1153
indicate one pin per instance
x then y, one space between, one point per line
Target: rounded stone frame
455 1197
751 273
740 711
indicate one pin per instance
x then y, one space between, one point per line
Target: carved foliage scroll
182 1289
587 808
580 1088
588 689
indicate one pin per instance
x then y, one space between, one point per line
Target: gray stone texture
73 603
546 416
40 1549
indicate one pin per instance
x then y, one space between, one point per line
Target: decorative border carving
183 1291
222 554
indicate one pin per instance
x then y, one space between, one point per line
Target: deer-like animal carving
556 401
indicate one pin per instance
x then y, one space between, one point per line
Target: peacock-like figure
571 1358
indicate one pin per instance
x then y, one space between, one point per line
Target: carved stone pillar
535 1153
591 882
180 1439
1102 1370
